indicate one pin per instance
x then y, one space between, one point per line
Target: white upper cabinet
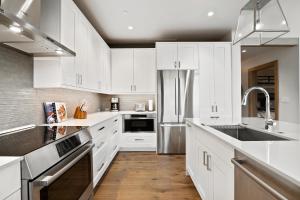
166 53
122 70
144 70
133 71
177 55
215 82
89 70
187 55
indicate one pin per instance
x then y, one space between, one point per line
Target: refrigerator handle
175 96
179 97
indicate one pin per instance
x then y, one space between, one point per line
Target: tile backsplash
20 103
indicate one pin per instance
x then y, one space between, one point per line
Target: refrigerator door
171 138
185 94
167 96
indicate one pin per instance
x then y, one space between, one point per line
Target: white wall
288 78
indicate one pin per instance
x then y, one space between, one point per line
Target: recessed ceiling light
259 25
130 27
244 51
59 51
16 29
210 13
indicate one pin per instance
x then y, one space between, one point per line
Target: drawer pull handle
116 131
137 139
100 145
99 169
208 164
100 129
115 120
204 158
238 164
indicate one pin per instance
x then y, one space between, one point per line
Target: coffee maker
114 104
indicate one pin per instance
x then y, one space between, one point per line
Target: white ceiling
161 20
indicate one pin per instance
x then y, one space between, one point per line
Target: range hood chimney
260 22
21 23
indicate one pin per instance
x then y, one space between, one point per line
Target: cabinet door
222 82
122 70
144 71
68 17
107 68
81 38
206 80
222 178
187 55
166 54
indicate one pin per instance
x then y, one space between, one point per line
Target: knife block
79 114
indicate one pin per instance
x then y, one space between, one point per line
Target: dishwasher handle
260 182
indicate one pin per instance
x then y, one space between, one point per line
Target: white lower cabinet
208 162
10 182
106 140
138 142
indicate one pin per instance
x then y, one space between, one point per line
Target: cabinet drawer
15 196
99 159
101 130
138 139
99 143
113 144
10 180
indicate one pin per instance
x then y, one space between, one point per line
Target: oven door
138 124
71 179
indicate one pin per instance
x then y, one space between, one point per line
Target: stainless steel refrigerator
174 103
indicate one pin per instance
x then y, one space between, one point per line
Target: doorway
265 76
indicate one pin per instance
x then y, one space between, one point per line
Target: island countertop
282 157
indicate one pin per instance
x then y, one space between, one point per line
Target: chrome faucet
268 119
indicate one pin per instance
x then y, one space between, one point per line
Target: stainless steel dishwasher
255 181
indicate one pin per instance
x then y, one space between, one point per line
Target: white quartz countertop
6 161
283 157
96 118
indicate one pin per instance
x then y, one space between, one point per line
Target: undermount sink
247 134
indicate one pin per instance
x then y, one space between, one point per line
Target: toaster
140 107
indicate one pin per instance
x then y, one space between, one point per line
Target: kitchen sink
246 134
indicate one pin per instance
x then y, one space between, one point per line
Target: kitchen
98 104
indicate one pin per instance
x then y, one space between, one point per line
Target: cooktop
23 142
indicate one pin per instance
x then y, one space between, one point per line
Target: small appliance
140 107
115 104
139 123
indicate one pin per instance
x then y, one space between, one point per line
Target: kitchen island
214 176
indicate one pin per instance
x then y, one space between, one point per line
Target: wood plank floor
146 176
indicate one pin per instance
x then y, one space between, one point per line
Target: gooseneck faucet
268 119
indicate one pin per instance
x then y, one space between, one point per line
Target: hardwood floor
146 176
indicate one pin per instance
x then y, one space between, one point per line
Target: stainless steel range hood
20 27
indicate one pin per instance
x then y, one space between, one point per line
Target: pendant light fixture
260 22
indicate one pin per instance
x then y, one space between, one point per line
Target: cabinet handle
179 64
175 64
116 131
99 169
100 145
131 88
212 109
115 120
216 108
208 165
137 139
100 129
260 182
204 158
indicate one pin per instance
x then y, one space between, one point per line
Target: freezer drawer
171 139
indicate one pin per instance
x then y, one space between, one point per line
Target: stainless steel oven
71 179
135 123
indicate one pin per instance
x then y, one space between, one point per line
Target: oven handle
47 180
